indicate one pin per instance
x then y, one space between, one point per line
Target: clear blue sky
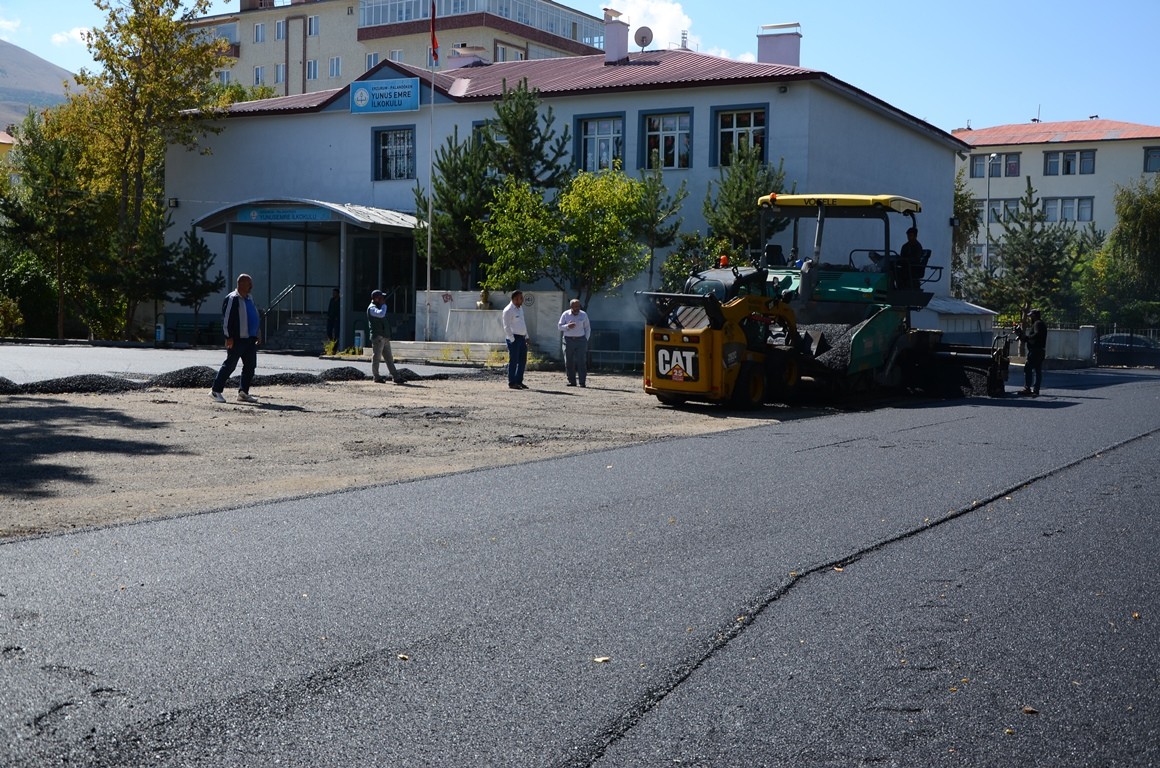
990 62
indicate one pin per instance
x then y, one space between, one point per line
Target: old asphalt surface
960 583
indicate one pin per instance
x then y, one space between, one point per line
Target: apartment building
1074 166
304 46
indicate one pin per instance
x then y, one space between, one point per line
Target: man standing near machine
1034 335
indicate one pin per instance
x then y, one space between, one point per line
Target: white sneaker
246 397
218 396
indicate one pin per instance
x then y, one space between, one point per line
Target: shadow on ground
40 442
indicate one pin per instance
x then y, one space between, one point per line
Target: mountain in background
27 81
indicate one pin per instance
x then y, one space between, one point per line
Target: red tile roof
584 74
1056 133
576 75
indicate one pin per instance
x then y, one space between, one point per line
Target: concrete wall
542 311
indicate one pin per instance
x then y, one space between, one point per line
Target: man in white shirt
515 330
577 330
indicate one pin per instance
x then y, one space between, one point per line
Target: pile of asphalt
839 339
193 377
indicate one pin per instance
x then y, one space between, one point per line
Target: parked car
1127 349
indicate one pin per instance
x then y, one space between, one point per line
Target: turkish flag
434 40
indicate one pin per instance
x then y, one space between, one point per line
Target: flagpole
431 166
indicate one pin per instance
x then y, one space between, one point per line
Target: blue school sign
398 95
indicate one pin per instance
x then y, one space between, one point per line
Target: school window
1151 159
1002 210
978 166
280 29
259 33
1057 209
668 140
259 75
1069 162
1011 164
394 154
372 60
739 128
312 69
223 77
279 73
509 53
312 26
601 143
396 54
336 66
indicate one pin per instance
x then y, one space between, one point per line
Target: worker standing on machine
1034 335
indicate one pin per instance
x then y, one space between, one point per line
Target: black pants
245 350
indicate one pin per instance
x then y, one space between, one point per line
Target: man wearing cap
380 332
1035 337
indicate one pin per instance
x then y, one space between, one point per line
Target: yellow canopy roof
892 202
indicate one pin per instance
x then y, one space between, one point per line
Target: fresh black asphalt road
967 583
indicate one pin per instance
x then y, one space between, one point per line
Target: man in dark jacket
1034 335
240 325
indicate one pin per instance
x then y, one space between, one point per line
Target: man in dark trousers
241 327
1034 335
333 311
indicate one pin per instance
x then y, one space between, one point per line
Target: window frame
279 73
377 166
259 32
313 24
583 138
280 29
644 151
1151 159
1087 158
716 114
259 75
311 69
978 167
372 60
335 65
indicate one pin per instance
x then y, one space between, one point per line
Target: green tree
1135 239
522 144
1038 263
221 95
191 284
660 207
586 242
462 187
48 213
154 69
732 212
970 219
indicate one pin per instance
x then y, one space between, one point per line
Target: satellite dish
643 37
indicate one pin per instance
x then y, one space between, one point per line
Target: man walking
577 330
515 330
380 332
240 325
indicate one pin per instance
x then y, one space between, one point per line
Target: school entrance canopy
327 233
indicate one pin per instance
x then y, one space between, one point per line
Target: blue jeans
517 359
245 350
